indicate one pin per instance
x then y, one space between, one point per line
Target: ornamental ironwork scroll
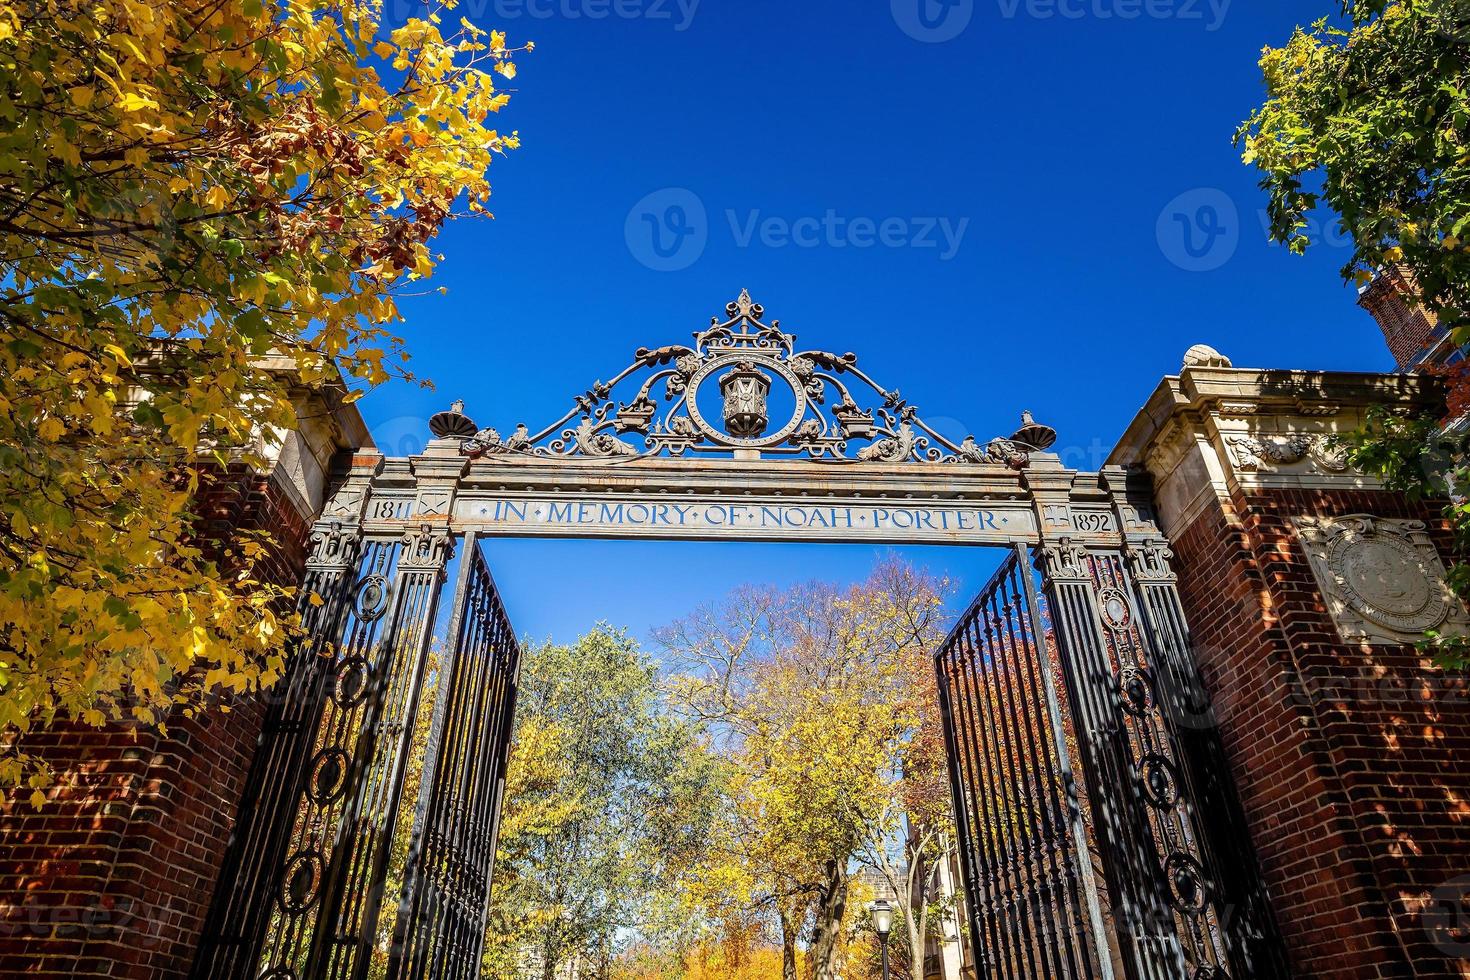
830 410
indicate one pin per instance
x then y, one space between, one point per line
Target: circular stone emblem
722 436
1117 614
1384 580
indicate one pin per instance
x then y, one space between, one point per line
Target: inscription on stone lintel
834 520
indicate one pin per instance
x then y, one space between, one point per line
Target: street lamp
882 925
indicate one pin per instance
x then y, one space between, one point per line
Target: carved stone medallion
1382 579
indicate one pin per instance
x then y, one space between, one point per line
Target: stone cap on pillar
329 432
1214 428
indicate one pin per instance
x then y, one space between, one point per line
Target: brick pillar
113 877
1305 585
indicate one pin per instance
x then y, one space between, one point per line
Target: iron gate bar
1050 904
1033 910
440 930
1134 881
1076 861
351 890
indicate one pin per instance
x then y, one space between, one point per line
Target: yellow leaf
51 429
315 599
133 102
383 49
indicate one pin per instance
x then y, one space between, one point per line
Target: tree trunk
788 947
918 926
830 911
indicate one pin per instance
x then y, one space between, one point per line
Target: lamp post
882 925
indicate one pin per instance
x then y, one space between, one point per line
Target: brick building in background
114 876
1412 332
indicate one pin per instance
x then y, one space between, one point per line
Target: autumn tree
186 188
608 801
1370 119
819 696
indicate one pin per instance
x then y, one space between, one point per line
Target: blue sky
1062 215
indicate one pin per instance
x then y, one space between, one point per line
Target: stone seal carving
1383 579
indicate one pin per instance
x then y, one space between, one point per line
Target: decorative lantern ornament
745 390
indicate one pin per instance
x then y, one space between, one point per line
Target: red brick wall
114 876
1353 762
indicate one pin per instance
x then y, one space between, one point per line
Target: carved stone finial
453 424
1033 435
1203 355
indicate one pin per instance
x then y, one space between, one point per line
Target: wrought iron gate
440 929
1030 893
306 878
1178 896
